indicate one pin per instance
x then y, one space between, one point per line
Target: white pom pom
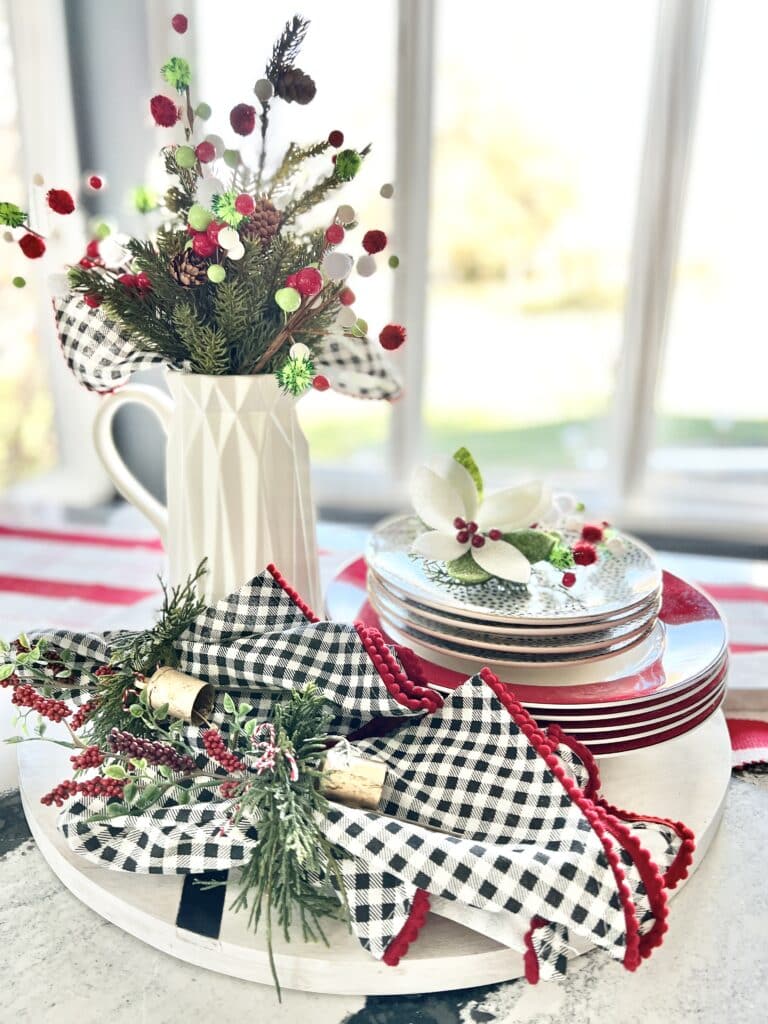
208 188
8 236
337 265
228 238
217 142
299 351
236 252
347 317
38 179
263 90
345 214
366 266
387 191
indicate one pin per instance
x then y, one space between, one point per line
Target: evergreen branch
206 346
286 48
292 160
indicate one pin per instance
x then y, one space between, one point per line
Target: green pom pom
144 199
464 458
348 163
224 208
359 328
177 73
18 282
536 545
231 158
103 230
199 218
185 157
12 215
394 262
216 273
295 376
561 557
288 299
466 570
203 111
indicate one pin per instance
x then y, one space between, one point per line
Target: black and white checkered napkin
102 357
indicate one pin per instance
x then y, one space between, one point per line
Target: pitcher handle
124 480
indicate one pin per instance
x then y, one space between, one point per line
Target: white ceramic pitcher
238 481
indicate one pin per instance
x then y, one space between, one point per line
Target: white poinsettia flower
446 500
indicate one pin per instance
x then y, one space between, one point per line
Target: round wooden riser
685 779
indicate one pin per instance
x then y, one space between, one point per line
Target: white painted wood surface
686 779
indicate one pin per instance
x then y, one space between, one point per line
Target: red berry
213 230
127 280
245 204
309 281
495 534
143 282
569 578
336 139
334 234
592 532
243 118
92 250
94 301
96 182
462 536
291 281
346 296
60 201
321 383
374 241
179 23
205 152
32 246
478 540
472 526
584 553
203 245
164 111
392 336
85 263
459 523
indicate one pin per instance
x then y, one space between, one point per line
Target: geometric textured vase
238 480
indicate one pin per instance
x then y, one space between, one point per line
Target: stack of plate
612 608
630 657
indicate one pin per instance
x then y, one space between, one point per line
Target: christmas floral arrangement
477 536
264 775
231 282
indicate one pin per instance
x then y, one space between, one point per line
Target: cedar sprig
293 159
315 194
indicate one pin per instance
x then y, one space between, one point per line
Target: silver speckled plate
614 584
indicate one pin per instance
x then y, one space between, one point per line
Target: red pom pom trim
32 246
243 118
408 934
281 581
336 139
396 679
374 241
392 336
60 201
164 111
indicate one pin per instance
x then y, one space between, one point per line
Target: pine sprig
293 159
206 346
287 47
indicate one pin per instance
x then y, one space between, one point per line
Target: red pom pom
243 118
60 201
584 553
309 281
346 296
213 230
205 152
592 532
320 383
204 245
96 182
164 111
569 578
127 280
94 301
85 263
92 250
392 337
32 246
143 282
336 139
244 204
179 23
334 234
374 241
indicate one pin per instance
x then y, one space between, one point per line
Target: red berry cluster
12 680
468 531
91 757
82 714
153 751
218 751
138 282
229 788
100 786
26 696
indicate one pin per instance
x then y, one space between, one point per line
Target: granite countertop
61 963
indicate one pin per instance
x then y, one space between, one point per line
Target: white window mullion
672 108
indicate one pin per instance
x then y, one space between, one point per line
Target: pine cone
294 85
188 269
263 223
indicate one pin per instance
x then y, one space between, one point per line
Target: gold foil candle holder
187 698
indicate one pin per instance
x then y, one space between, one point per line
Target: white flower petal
513 508
436 501
438 547
503 560
546 505
460 478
